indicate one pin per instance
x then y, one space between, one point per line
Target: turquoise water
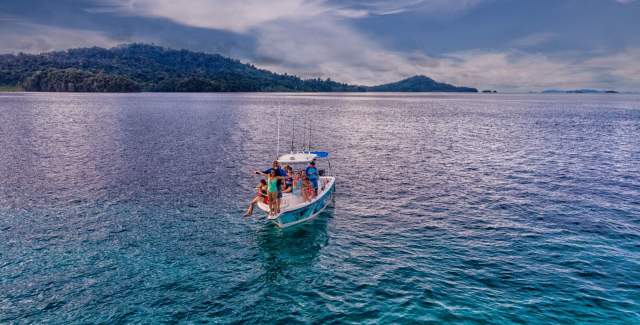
449 208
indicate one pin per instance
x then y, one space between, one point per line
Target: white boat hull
293 209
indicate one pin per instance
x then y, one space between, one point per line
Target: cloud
620 69
236 16
508 70
243 15
450 6
534 39
18 36
390 7
334 51
522 71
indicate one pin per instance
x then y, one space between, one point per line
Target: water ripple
121 208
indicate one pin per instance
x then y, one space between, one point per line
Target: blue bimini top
321 154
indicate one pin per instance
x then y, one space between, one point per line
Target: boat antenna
304 133
293 131
278 142
309 137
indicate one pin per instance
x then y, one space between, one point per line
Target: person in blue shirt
312 174
279 171
288 180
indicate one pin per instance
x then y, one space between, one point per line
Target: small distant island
150 68
579 91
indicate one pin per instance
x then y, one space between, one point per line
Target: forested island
150 68
420 84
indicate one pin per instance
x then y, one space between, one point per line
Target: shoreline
8 89
17 89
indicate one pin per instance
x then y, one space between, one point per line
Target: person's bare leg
275 203
251 205
274 199
271 204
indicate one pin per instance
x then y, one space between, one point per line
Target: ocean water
461 208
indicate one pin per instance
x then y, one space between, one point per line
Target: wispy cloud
520 71
242 15
334 51
534 39
390 7
620 69
509 70
237 16
450 6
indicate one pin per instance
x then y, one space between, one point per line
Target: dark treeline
74 80
140 67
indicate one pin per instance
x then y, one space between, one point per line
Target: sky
508 45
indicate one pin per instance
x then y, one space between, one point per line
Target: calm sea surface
459 208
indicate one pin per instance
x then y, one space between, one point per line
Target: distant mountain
579 91
420 84
141 67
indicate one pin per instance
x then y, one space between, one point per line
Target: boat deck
291 202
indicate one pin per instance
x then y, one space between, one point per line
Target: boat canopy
320 154
297 158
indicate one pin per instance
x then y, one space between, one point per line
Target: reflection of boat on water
289 251
293 208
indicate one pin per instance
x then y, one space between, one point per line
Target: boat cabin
300 160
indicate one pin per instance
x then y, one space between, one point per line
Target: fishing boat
293 208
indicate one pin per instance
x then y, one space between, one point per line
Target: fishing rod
293 132
278 142
304 134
